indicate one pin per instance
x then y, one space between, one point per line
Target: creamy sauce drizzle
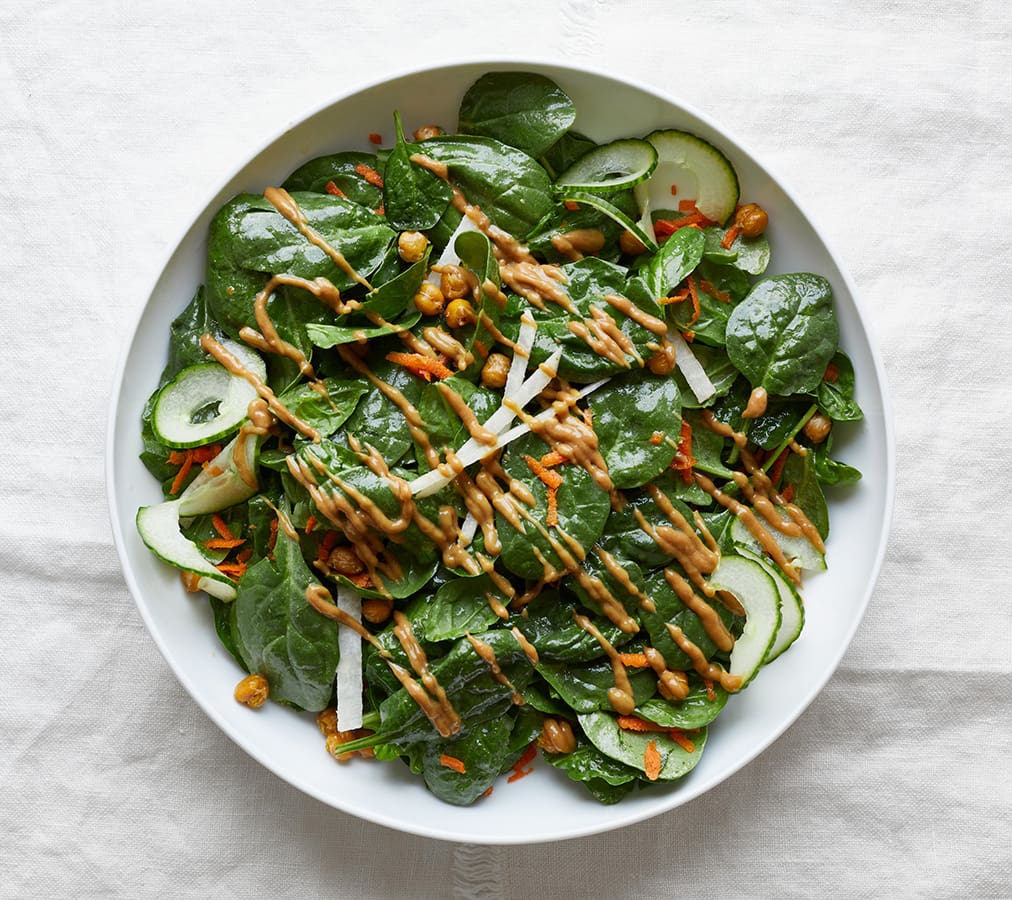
432 699
756 405
707 670
621 695
448 345
574 244
486 652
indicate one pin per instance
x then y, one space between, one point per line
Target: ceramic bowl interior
546 805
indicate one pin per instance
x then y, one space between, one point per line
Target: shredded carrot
674 190
684 460
680 738
689 335
369 174
553 458
224 543
234 570
777 469
362 580
710 695
178 457
694 294
712 290
326 545
191 580
422 366
244 555
687 206
273 539
375 138
488 792
652 761
788 493
634 660
635 723
677 297
518 767
221 527
831 375
451 762
334 190
552 513
184 470
657 438
571 205
310 524
551 480
206 453
380 210
729 237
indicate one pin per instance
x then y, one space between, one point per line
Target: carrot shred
677 297
451 762
652 761
635 723
184 470
674 190
178 457
380 210
234 570
326 545
680 738
369 174
190 580
777 469
549 477
689 335
422 366
657 438
687 206
224 543
684 460
244 555
334 190
221 527
518 767
488 792
710 288
788 493
831 375
694 294
634 660
310 524
729 237
571 205
552 513
553 458
375 138
710 695
362 580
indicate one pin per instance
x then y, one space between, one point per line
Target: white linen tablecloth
891 120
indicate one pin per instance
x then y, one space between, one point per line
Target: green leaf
836 398
526 111
607 779
413 197
394 297
678 257
345 171
718 368
784 333
832 472
280 635
566 151
585 687
629 747
482 749
750 255
326 336
378 421
458 607
800 471
695 711
326 412
548 624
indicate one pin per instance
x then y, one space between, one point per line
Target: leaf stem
773 457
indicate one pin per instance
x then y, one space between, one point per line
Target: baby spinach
719 369
678 257
695 711
344 171
836 394
784 333
800 471
566 151
282 637
629 747
829 471
413 197
393 297
548 624
606 778
750 255
327 410
526 111
584 688
326 336
458 607
378 420
482 750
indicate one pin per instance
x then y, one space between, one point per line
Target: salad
499 441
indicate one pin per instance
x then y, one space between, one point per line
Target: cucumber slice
611 167
220 486
613 213
699 171
799 550
159 529
792 610
757 593
203 403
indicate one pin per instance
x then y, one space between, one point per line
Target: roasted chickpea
495 370
429 300
751 220
426 132
453 282
459 313
252 691
339 738
345 561
818 427
326 720
377 609
630 244
663 361
557 736
411 245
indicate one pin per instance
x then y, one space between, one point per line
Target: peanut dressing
432 697
486 652
704 669
621 695
574 244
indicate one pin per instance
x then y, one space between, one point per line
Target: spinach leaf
750 255
595 568
458 607
800 471
784 333
225 628
328 411
695 711
629 747
444 426
829 471
585 687
510 187
280 635
344 170
394 296
626 539
583 508
326 336
566 151
483 750
836 397
606 778
250 240
413 197
548 624
526 111
718 288
707 447
678 257
780 420
378 420
628 411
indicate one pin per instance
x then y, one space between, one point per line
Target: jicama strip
690 367
472 451
449 255
522 429
521 356
349 667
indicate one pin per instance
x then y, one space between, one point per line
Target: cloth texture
892 121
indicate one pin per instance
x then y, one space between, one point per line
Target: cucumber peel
610 167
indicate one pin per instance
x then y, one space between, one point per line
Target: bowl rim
621 818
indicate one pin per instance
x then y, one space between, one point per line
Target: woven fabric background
892 121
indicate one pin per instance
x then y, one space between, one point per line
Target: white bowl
545 805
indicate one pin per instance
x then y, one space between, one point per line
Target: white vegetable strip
449 255
349 667
522 429
468 529
521 356
472 451
689 366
